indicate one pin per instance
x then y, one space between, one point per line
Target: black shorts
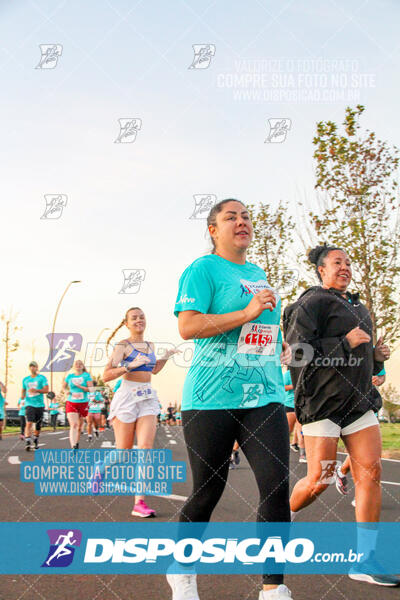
289 409
34 414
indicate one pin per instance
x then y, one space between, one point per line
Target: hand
381 351
264 300
357 336
286 354
377 380
138 362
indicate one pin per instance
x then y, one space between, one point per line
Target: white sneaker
279 593
184 587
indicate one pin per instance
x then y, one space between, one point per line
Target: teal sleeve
195 290
382 372
44 381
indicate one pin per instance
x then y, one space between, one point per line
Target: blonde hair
123 322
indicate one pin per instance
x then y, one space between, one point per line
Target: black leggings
22 423
263 435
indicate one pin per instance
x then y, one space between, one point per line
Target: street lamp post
95 344
53 329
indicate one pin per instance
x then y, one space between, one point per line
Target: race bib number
32 389
258 338
77 396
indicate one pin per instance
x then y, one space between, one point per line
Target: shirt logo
185 298
62 547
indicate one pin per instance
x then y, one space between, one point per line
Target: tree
11 344
361 213
390 400
272 247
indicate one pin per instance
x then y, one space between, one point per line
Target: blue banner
214 548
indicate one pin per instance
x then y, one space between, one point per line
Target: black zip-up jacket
337 383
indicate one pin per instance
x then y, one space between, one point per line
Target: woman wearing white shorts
134 407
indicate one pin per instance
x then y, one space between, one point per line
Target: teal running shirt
37 383
289 394
239 368
76 394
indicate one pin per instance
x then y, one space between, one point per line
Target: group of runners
85 405
237 395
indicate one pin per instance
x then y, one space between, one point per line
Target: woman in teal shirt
234 388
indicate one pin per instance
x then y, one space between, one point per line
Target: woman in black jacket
330 332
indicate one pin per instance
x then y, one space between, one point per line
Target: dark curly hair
317 256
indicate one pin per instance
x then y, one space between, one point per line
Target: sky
127 204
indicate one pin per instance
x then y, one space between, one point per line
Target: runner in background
135 405
96 404
3 404
171 418
294 425
33 388
234 460
53 408
21 413
76 406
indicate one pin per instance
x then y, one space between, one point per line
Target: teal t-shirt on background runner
21 406
2 402
53 408
238 368
76 394
96 402
38 383
289 394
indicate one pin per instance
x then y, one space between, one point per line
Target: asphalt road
239 503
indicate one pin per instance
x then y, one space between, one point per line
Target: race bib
258 338
31 390
77 396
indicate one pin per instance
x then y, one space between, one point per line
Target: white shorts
132 401
327 428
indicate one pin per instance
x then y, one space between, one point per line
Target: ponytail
123 322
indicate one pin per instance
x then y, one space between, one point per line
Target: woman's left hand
286 354
381 351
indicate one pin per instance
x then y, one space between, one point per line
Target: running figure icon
62 549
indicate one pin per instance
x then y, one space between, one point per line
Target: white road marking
172 442
65 438
107 445
14 460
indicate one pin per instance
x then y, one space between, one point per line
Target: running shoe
353 502
231 465
362 572
294 447
142 510
236 457
36 442
184 587
96 433
90 439
76 447
341 482
28 446
279 593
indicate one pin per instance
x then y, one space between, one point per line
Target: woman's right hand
357 336
138 362
264 300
